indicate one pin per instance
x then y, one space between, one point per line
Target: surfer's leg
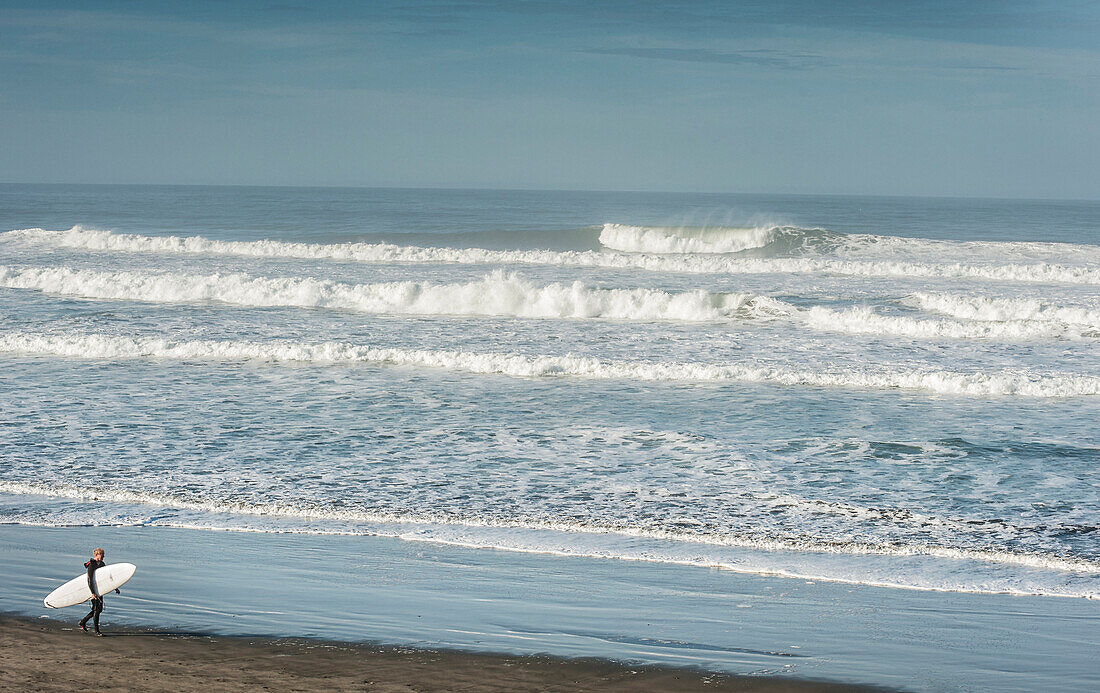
84 621
97 609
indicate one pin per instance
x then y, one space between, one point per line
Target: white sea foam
382 253
496 295
1021 383
802 558
863 320
991 309
915 248
659 239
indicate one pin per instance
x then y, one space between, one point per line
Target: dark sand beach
46 655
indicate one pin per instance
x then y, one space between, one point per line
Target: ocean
893 392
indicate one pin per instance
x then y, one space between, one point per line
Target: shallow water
427 595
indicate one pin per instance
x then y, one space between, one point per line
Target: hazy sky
924 97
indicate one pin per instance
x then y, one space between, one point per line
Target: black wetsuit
97 599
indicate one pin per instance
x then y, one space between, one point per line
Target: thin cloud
987 68
778 59
288 8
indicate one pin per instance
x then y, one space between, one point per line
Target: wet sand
46 655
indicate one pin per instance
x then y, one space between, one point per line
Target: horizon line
557 190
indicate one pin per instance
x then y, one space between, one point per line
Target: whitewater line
425 534
501 295
734 239
863 320
307 512
497 295
386 253
980 384
990 309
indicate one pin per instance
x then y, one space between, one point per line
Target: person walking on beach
97 599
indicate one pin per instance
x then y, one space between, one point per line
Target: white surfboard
76 591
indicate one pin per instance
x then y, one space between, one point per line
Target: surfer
97 599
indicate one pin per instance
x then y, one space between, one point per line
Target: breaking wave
507 295
757 241
660 239
382 253
1020 383
496 295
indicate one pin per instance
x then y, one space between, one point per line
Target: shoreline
319 589
50 655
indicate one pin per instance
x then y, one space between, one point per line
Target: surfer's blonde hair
99 551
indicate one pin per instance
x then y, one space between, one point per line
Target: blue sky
911 98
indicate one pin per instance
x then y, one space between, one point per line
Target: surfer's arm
91 580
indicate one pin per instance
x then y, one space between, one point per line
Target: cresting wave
658 239
382 253
495 295
291 512
980 384
507 295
